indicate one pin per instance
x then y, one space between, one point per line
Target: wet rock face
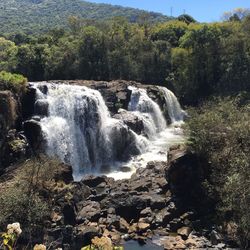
41 107
33 132
131 120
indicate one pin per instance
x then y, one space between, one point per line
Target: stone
163 217
91 211
41 107
115 237
143 226
175 224
84 235
55 217
113 221
215 237
131 120
33 132
184 232
124 226
102 243
132 228
146 212
111 210
93 181
157 202
148 220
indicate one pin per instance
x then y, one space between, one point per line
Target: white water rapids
79 129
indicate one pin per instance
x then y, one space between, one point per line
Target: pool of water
134 245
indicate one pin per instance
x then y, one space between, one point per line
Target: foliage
20 197
102 243
219 133
9 238
13 82
236 14
39 16
8 52
195 60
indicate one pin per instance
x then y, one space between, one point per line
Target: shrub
21 199
13 82
220 132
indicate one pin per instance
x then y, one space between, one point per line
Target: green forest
195 60
36 16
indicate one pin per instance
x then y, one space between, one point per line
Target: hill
34 16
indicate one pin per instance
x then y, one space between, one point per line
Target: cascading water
148 110
161 137
175 111
79 130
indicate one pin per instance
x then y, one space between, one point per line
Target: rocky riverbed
143 208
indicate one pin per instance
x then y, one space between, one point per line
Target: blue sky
201 10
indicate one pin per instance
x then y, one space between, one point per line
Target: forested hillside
34 16
195 60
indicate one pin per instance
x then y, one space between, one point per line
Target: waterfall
148 110
79 129
175 111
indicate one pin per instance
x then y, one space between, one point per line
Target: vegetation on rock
13 82
219 133
22 197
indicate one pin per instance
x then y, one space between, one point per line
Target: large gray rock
131 120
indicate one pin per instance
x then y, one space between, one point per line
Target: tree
186 19
93 54
8 51
237 14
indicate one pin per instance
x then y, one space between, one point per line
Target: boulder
185 175
33 132
143 226
41 107
91 211
124 142
215 237
123 226
84 235
184 232
131 120
94 181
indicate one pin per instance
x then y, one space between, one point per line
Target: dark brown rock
33 132
90 211
65 173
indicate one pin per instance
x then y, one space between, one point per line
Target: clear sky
201 10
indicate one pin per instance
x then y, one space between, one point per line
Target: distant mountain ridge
33 16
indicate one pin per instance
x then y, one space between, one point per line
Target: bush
21 196
13 82
220 132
